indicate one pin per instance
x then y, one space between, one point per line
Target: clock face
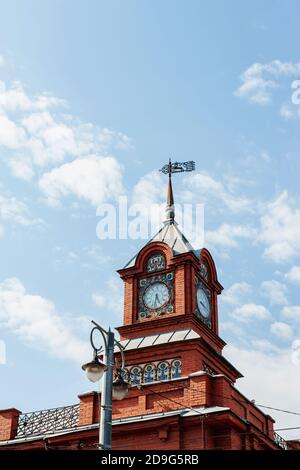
203 302
156 295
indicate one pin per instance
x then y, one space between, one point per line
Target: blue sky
111 90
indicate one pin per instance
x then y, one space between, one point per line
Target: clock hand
156 298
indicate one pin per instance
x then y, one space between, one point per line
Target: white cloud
111 297
93 179
21 168
72 255
287 112
271 379
296 352
236 292
293 275
259 80
97 256
232 328
37 121
275 291
92 257
204 188
109 138
16 211
228 235
99 299
150 189
11 136
292 312
280 229
250 311
36 132
281 330
148 200
265 156
35 321
15 98
264 345
2 352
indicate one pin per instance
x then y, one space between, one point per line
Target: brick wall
8 423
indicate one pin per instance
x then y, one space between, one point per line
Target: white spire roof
172 236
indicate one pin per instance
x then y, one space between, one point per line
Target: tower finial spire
170 209
170 168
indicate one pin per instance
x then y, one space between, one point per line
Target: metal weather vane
178 167
168 169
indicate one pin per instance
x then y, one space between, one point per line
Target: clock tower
182 394
171 291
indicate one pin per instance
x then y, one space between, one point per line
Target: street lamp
94 369
118 388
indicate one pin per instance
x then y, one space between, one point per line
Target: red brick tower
183 393
174 353
171 296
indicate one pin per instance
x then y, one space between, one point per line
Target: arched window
149 373
163 371
176 369
125 375
136 375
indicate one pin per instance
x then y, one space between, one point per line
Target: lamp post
118 388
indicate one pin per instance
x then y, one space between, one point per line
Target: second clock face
203 302
156 295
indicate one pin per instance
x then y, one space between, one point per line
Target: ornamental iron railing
280 441
66 417
48 421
